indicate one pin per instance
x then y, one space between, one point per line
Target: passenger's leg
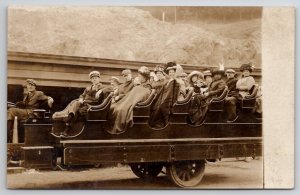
74 108
22 114
10 124
230 108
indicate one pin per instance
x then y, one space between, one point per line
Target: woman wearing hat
114 84
121 113
198 105
175 72
243 85
160 78
90 96
196 82
33 99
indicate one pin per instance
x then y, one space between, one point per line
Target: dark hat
126 72
193 73
246 67
168 65
171 68
115 79
144 71
94 74
31 82
217 71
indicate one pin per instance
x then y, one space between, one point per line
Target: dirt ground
229 173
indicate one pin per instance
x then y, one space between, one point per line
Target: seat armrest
253 94
149 100
103 104
187 98
222 96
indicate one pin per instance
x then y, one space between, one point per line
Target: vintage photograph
157 97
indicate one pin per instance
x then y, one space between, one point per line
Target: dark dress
163 104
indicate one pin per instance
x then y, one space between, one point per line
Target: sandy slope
130 34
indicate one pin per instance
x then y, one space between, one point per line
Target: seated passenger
196 82
152 77
217 86
243 87
121 113
33 99
124 88
184 78
114 83
207 77
174 72
91 96
258 103
198 104
160 78
231 82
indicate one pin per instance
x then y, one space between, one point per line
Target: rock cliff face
130 33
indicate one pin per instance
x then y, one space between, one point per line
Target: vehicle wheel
186 173
146 170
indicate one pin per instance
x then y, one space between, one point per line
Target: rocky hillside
130 33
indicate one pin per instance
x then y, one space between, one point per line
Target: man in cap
92 95
231 81
124 88
33 99
243 85
207 77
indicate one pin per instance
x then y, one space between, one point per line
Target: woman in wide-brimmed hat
243 86
194 76
245 83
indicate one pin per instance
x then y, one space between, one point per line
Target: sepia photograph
139 97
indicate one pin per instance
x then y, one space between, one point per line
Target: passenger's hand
80 101
50 102
97 95
206 94
117 98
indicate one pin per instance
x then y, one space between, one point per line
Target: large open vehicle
180 147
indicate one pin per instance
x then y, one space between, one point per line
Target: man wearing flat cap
231 81
33 99
92 95
124 88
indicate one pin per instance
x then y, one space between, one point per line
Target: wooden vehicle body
181 147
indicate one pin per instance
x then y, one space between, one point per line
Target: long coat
216 88
121 113
124 88
33 100
231 84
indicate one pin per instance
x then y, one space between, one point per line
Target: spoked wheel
186 173
146 170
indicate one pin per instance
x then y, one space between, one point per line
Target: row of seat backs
217 103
